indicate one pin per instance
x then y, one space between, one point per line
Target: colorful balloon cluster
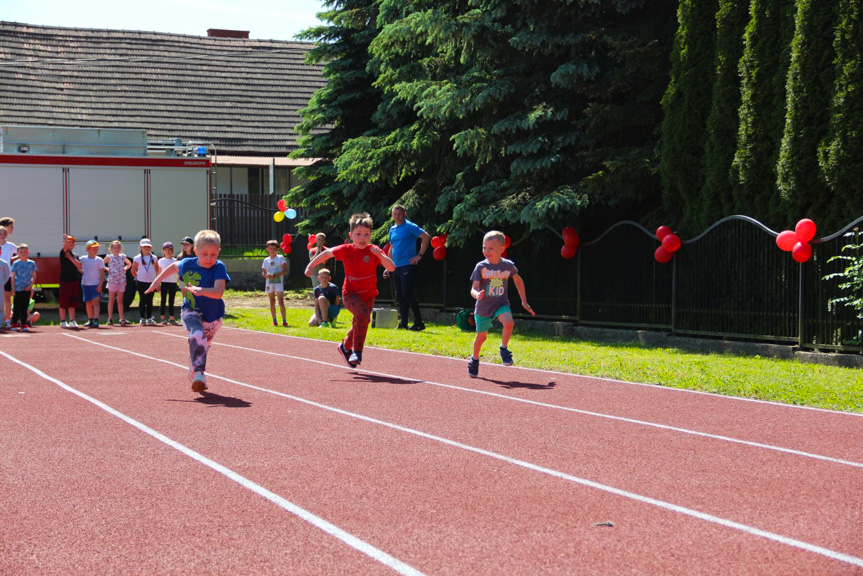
439 245
670 244
284 212
571 241
797 241
286 244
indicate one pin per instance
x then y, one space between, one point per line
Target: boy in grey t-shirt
490 286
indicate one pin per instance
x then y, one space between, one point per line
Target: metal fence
732 281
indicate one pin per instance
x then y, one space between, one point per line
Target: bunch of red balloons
286 244
439 245
670 244
313 240
797 241
571 240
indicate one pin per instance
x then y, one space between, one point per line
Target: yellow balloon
279 216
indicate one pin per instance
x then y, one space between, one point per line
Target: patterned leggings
361 308
201 335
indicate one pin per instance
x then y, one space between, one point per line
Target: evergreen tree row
771 127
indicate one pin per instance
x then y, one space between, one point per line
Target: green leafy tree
342 110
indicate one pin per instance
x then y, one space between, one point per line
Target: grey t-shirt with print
494 279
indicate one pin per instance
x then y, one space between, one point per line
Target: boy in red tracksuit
361 259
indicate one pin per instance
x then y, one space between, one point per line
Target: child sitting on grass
326 300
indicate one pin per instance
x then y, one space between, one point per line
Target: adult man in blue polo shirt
403 237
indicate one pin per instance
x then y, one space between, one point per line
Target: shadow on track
512 384
380 379
209 399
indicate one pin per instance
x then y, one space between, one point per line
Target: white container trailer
96 196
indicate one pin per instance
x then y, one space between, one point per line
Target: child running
490 283
361 259
273 269
117 263
205 277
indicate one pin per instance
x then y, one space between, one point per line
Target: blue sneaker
473 367
347 355
505 356
356 358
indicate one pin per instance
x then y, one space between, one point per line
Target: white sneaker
73 325
64 324
199 382
8 324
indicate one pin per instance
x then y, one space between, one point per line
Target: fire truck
100 184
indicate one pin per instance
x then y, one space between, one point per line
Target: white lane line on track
394 563
658 426
751 530
657 387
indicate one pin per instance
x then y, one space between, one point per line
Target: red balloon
282 205
444 237
287 239
786 240
662 255
802 252
505 253
310 245
286 249
662 232
570 236
436 241
805 230
568 251
312 238
507 241
671 243
439 253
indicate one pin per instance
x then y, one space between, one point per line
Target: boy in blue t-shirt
327 299
490 286
205 278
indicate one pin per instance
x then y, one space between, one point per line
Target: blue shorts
90 292
483 323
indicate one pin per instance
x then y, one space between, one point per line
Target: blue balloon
291 213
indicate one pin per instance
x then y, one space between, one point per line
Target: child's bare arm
519 285
325 255
475 291
385 260
158 280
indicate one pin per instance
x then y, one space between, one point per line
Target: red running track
294 463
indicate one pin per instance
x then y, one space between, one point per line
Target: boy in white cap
93 275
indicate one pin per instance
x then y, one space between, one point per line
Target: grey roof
242 95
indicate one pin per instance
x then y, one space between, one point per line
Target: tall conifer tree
802 184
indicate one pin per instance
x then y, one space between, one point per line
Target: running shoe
143 322
64 324
74 325
173 322
123 322
356 358
275 323
417 327
284 324
505 356
25 328
347 355
473 367
325 324
199 382
110 321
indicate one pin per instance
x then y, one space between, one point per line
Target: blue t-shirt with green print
192 274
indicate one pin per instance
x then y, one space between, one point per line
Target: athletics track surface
293 463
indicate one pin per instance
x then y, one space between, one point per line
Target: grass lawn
785 381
